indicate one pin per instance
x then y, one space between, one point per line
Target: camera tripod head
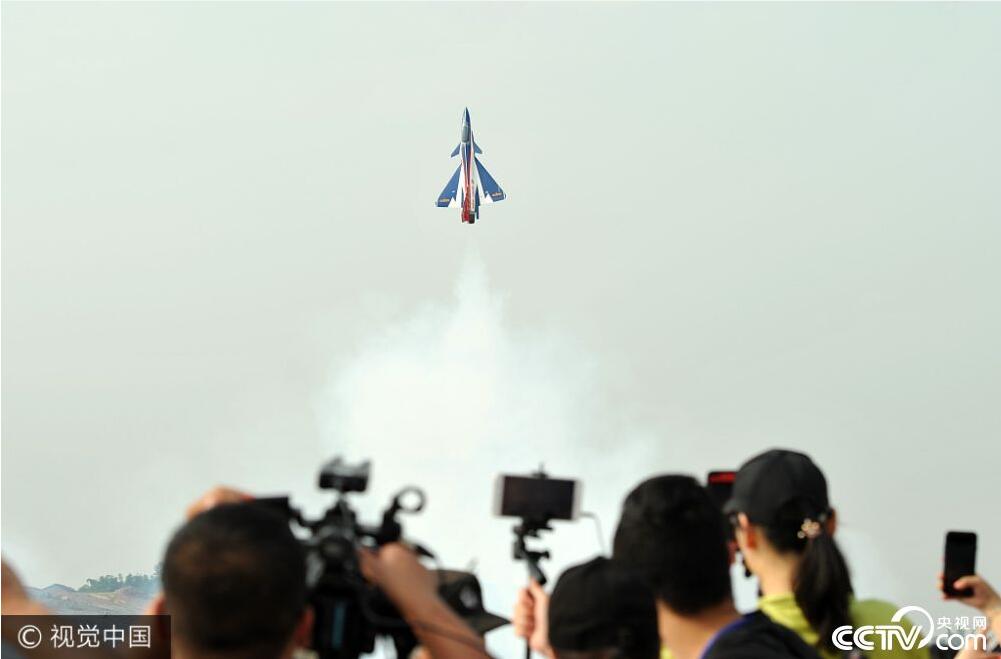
531 556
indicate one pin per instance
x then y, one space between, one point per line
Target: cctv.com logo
893 636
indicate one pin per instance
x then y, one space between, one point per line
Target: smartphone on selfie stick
536 500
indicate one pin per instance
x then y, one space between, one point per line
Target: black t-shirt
755 636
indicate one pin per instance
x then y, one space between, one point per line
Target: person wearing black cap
673 536
461 591
598 610
784 526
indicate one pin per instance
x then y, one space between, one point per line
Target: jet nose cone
465 116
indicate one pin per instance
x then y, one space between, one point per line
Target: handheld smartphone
720 486
537 498
960 561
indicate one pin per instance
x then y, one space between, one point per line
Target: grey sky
746 224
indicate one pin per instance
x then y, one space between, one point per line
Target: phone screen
960 561
530 497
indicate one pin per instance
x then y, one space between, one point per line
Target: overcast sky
728 227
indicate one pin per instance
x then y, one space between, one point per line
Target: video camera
350 612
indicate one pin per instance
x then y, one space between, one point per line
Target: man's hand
217 496
531 618
984 597
396 571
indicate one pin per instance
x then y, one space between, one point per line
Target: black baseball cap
461 591
599 604
770 482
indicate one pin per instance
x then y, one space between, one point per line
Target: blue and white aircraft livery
463 189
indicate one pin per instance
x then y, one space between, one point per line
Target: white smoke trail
453 396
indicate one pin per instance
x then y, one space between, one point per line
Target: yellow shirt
784 610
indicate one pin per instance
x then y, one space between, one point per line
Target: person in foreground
234 585
785 525
234 582
672 535
600 611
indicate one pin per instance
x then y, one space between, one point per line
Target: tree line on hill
110 583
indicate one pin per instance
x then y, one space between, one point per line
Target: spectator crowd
234 582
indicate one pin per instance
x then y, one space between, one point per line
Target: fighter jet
470 176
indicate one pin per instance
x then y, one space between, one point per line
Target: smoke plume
454 395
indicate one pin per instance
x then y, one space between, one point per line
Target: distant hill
65 600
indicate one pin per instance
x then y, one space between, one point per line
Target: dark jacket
755 636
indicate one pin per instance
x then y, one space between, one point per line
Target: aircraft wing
447 196
491 190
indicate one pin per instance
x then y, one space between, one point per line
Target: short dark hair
601 609
672 534
234 580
